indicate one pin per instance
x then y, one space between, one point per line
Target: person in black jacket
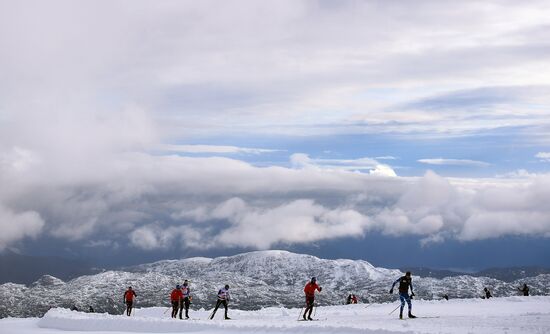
525 289
487 293
405 282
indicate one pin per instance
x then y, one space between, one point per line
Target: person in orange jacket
129 300
309 290
175 297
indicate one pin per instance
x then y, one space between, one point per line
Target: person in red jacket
175 297
309 290
129 300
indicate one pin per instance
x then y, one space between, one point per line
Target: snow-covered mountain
256 279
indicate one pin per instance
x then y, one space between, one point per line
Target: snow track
497 315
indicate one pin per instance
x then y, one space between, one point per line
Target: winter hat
313 279
227 286
178 286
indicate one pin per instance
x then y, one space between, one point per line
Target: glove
412 295
391 290
320 289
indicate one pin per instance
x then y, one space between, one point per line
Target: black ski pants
310 301
175 305
184 303
220 302
129 304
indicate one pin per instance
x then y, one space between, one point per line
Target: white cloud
213 149
301 160
454 162
520 173
383 170
543 156
299 221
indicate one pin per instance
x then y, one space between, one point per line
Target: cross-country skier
487 293
309 290
404 283
525 289
129 300
186 299
175 298
223 298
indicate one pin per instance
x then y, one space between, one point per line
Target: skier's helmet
408 273
227 286
178 286
313 279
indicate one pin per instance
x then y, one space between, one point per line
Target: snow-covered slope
257 279
458 316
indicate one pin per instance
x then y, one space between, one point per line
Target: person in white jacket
223 298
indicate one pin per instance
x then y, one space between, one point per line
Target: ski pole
299 315
211 316
394 309
314 309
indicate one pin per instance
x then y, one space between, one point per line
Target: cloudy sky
400 132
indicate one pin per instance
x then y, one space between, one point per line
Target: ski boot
401 316
411 315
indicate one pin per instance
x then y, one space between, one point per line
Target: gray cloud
18 225
260 67
161 201
88 88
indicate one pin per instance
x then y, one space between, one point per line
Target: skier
223 298
446 296
175 298
186 299
487 293
525 289
404 283
129 300
353 299
309 290
90 309
348 300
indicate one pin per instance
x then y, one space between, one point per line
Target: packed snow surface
497 315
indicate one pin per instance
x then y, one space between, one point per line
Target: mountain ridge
257 279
